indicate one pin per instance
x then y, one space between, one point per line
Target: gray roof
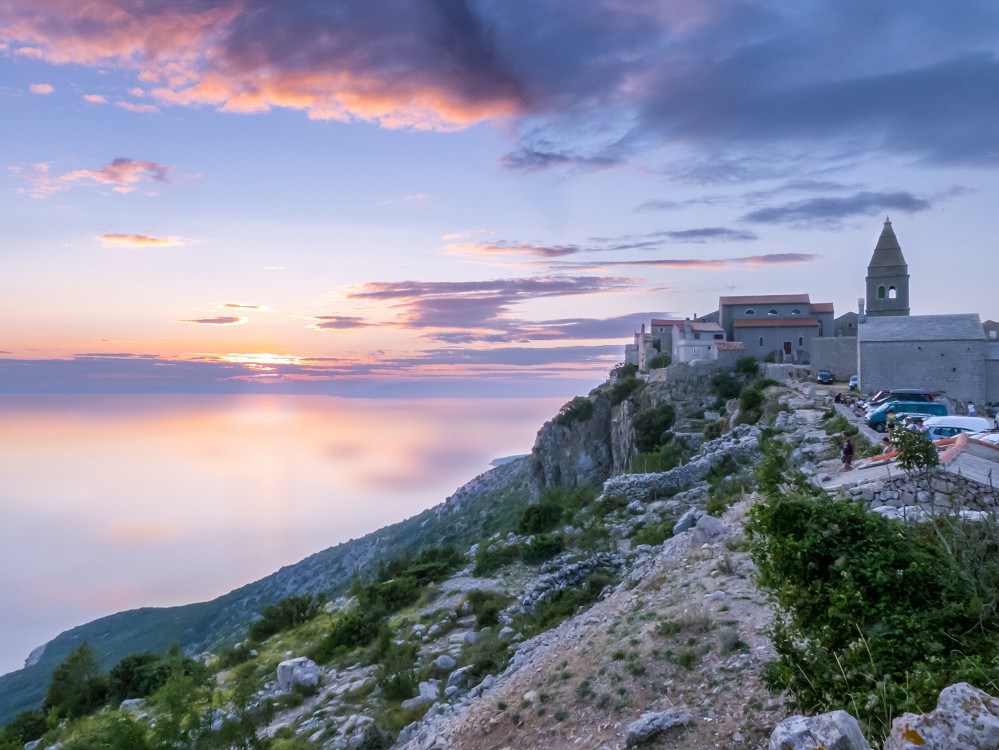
961 327
887 258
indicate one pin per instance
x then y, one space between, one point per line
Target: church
947 354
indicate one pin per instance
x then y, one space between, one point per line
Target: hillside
470 513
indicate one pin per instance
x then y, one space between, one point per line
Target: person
891 420
839 398
886 446
847 454
971 408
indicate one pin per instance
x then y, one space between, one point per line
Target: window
761 341
881 292
796 311
750 311
850 324
892 292
801 341
772 311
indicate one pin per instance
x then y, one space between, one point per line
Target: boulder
687 520
444 663
965 718
132 705
652 724
709 530
836 730
298 671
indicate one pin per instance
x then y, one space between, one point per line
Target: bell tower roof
887 257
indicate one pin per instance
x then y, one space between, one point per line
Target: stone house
779 327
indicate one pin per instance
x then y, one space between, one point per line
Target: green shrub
747 366
651 426
725 385
543 516
25 727
875 617
915 453
284 615
751 401
77 686
542 548
349 631
578 409
397 675
491 557
563 604
655 533
713 431
659 361
488 655
112 731
623 389
486 606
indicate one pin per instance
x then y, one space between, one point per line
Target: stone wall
956 368
939 491
992 380
837 354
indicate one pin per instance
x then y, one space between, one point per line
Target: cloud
833 210
134 241
467 311
41 88
219 320
529 159
240 306
416 197
339 322
502 247
432 64
122 174
139 108
700 264
95 99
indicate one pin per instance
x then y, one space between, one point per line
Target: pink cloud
142 109
123 175
502 247
41 88
430 68
133 241
95 99
219 320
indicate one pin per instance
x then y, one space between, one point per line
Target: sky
467 197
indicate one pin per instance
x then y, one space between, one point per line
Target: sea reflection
115 502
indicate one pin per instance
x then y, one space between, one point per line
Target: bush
747 366
578 409
113 731
713 431
352 630
668 457
652 425
563 604
543 516
623 389
751 403
25 727
77 686
655 533
725 385
659 361
488 655
284 615
542 548
486 606
875 617
491 557
915 453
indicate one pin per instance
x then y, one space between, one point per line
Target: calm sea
114 502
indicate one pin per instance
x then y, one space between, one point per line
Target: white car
938 428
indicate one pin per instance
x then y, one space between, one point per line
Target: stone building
887 277
778 327
696 340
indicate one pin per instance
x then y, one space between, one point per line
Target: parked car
938 428
877 420
824 376
899 394
854 382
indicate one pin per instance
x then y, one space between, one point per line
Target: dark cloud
702 264
527 159
832 210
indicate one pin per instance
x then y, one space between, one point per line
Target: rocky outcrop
568 577
965 718
836 730
299 671
653 724
580 452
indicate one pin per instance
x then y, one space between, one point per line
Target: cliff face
591 451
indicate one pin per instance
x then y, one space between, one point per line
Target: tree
136 676
916 454
77 686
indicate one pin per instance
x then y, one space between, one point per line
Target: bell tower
887 277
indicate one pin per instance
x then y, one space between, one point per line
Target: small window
892 292
761 341
772 311
750 311
796 311
801 341
881 292
850 324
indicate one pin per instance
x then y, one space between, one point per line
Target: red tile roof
711 327
766 299
664 322
818 307
777 323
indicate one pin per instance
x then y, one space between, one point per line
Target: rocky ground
686 631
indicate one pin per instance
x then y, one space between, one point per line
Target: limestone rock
652 724
836 730
299 671
709 530
444 663
965 718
